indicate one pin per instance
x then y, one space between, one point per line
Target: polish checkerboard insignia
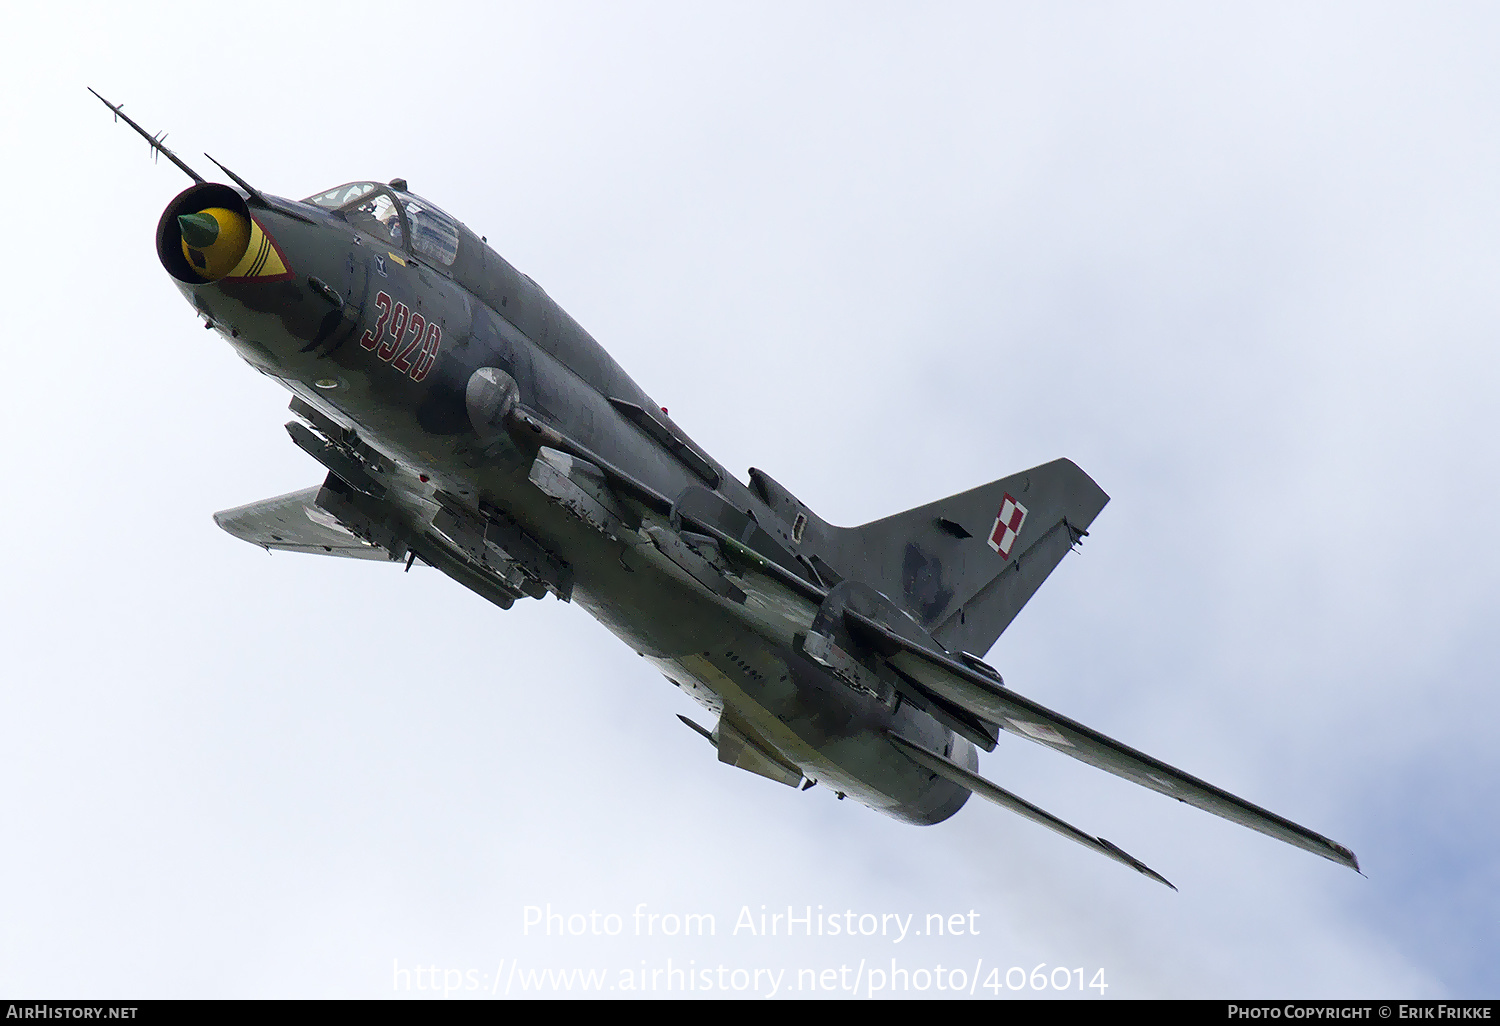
1007 525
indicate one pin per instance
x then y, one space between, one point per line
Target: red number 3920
415 356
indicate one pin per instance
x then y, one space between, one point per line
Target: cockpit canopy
395 217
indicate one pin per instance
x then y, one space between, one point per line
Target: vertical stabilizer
965 565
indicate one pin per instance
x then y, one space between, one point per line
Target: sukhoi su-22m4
465 421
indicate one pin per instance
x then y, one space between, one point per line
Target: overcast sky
1238 262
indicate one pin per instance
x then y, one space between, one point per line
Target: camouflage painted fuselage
327 329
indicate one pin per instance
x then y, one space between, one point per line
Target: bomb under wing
464 420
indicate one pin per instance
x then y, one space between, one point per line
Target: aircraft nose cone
198 230
214 241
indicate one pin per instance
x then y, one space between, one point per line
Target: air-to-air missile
465 421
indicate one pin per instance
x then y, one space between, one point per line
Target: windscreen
344 194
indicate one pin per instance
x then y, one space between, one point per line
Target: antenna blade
252 190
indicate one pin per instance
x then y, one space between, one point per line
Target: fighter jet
462 419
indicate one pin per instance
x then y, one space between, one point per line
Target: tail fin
965 565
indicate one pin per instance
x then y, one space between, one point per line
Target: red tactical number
421 349
403 362
430 346
398 328
372 336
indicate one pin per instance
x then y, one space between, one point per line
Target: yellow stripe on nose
262 259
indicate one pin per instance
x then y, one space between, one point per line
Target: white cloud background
1238 262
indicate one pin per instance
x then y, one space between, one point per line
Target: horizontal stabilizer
981 695
982 787
294 523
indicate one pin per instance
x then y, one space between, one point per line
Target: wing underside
974 692
294 523
978 785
